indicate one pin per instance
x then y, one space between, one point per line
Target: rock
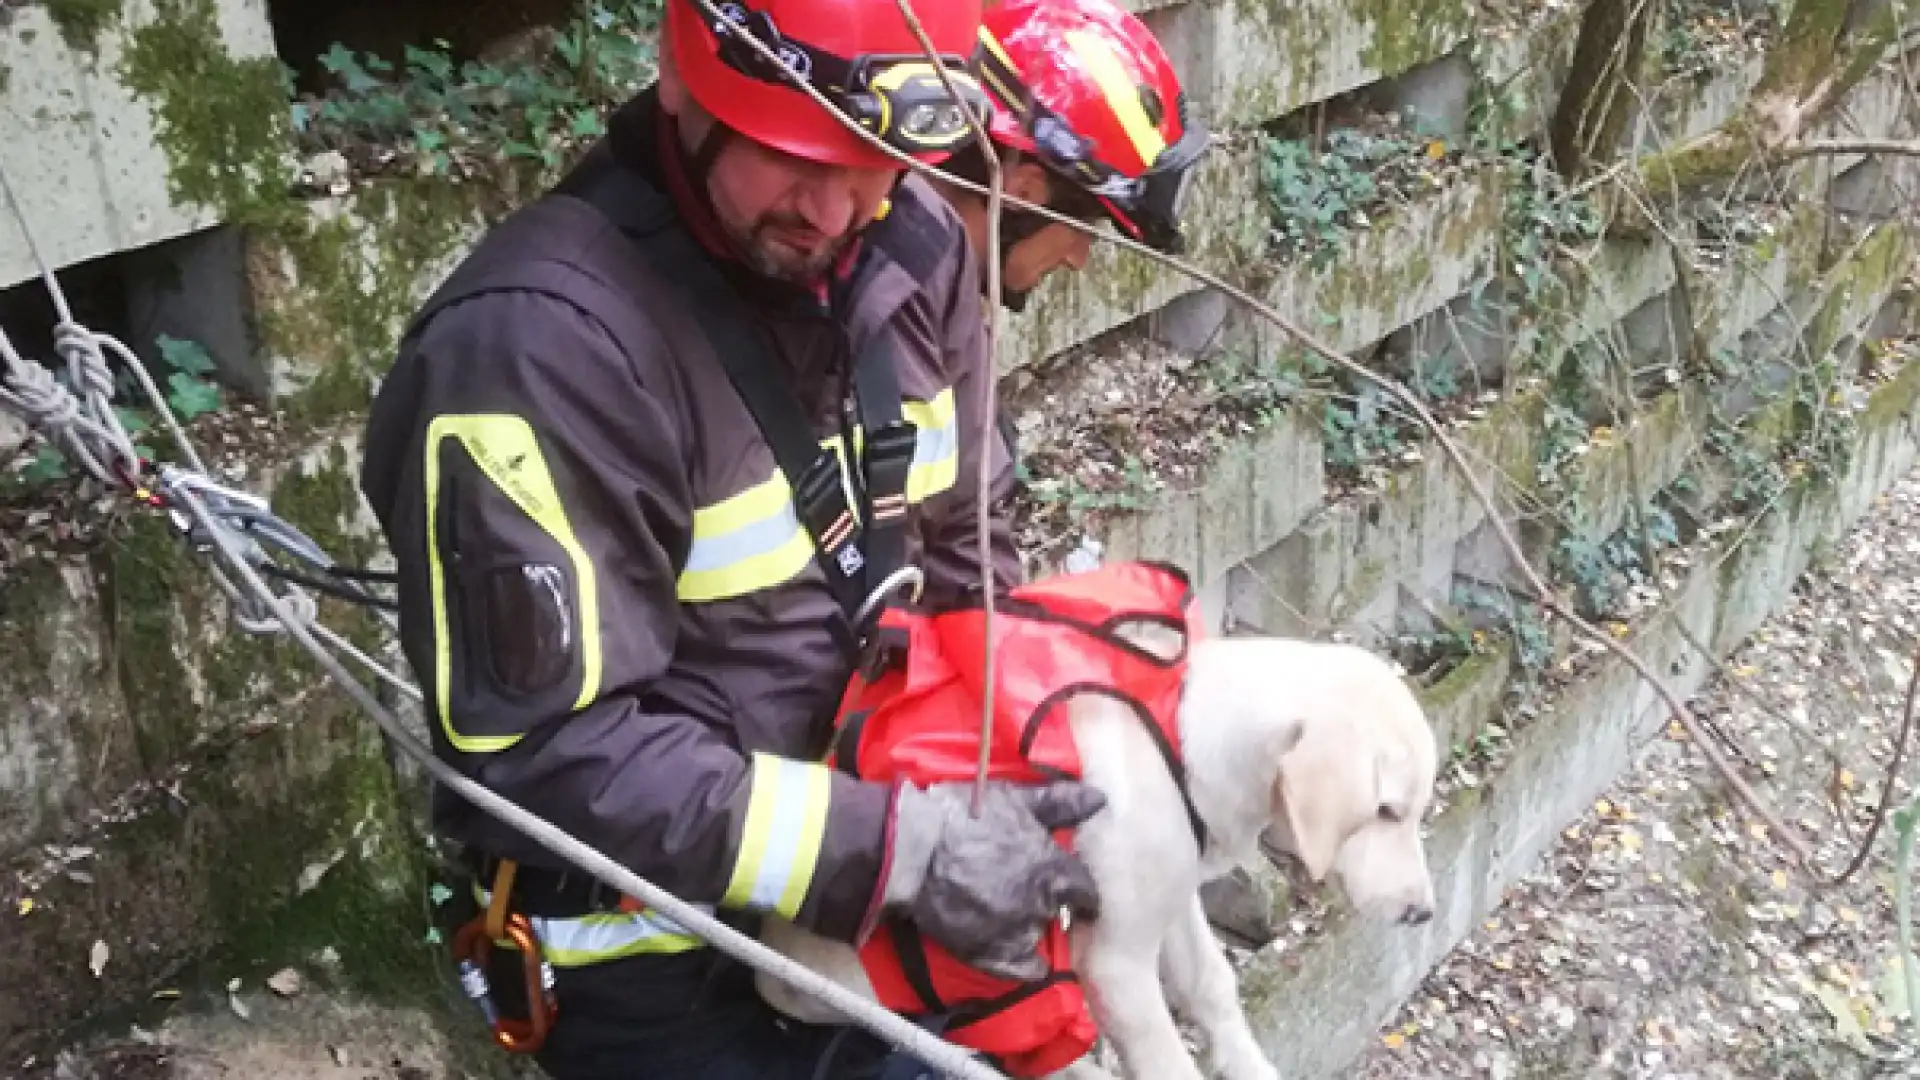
330 170
1241 905
286 982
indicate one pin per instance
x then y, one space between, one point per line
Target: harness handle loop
497 903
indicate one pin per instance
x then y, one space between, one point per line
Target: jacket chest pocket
512 593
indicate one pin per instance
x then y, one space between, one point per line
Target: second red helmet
1085 87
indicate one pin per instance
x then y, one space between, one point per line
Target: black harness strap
890 443
955 1016
913 965
739 341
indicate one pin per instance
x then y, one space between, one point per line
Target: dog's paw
1247 1064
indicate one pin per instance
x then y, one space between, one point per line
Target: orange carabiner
473 946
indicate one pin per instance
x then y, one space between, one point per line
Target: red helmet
1083 86
859 53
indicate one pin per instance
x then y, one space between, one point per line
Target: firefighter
1099 128
642 460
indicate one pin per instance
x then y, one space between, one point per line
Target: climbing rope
246 540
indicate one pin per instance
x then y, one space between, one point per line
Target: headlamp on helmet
898 98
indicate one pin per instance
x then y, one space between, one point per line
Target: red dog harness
915 715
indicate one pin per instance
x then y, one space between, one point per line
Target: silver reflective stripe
780 842
935 445
779 864
760 537
603 936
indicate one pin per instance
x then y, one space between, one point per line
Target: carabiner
908 577
472 947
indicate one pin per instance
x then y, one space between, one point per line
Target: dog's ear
1311 800
1285 736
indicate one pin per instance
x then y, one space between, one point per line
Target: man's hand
985 888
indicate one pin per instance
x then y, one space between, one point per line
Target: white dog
1315 750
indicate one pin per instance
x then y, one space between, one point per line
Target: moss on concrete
30 594
266 807
31 633
1509 438
1855 287
1892 402
352 283
222 121
280 847
82 21
225 127
321 502
1408 35
1466 677
370 906
1297 42
148 604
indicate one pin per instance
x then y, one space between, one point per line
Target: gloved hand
985 888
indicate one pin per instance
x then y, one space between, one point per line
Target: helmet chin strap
700 165
1016 228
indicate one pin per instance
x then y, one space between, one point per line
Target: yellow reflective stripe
1122 96
750 541
936 448
594 939
602 936
754 540
780 843
504 448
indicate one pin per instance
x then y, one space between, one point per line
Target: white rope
85 428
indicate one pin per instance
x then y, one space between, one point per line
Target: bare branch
1816 147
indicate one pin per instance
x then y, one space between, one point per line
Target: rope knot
80 348
46 405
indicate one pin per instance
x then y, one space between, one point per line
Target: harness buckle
473 947
889 456
822 502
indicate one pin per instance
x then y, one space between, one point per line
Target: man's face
791 219
1029 260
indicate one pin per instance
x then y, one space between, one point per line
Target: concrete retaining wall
181 792
83 152
1356 976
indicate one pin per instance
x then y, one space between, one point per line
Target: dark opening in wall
192 289
96 290
304 30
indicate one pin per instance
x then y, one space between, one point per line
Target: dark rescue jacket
618 618
917 717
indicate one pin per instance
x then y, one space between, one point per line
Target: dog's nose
1416 915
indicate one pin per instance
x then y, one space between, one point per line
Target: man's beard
782 263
